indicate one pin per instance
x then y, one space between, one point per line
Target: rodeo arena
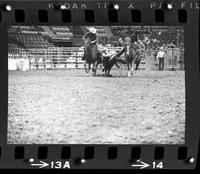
96 85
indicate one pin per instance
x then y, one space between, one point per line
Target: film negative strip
99 84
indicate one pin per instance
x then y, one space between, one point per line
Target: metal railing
55 57
70 57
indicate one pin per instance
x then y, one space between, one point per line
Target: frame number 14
157 165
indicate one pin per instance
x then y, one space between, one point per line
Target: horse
91 57
132 56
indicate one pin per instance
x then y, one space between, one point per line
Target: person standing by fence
161 57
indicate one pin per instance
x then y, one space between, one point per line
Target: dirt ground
66 107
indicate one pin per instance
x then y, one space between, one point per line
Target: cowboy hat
92 30
127 39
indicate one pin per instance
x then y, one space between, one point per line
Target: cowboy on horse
91 53
90 43
128 45
132 54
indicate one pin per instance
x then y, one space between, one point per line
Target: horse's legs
93 68
96 65
89 67
105 69
109 71
136 68
85 65
132 65
133 71
117 65
129 71
137 62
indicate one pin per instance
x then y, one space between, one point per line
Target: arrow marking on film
41 165
142 165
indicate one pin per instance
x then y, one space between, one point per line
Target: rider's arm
94 41
86 35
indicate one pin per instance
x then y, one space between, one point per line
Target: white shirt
161 54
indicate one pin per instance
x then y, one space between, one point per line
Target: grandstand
45 42
61 34
28 37
78 33
64 36
159 35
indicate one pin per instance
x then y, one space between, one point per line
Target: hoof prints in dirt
61 107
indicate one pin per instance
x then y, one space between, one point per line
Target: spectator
161 57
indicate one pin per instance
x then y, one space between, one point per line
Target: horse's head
128 49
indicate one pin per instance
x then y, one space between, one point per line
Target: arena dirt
65 106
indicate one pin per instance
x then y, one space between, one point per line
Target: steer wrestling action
92 55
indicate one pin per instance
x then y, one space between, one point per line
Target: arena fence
70 57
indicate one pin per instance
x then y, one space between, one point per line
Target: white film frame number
158 165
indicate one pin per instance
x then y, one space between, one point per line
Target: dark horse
91 57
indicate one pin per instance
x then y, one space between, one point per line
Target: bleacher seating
78 31
33 40
29 37
78 41
62 33
62 36
159 35
100 31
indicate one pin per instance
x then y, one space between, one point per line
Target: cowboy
161 56
121 41
90 40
